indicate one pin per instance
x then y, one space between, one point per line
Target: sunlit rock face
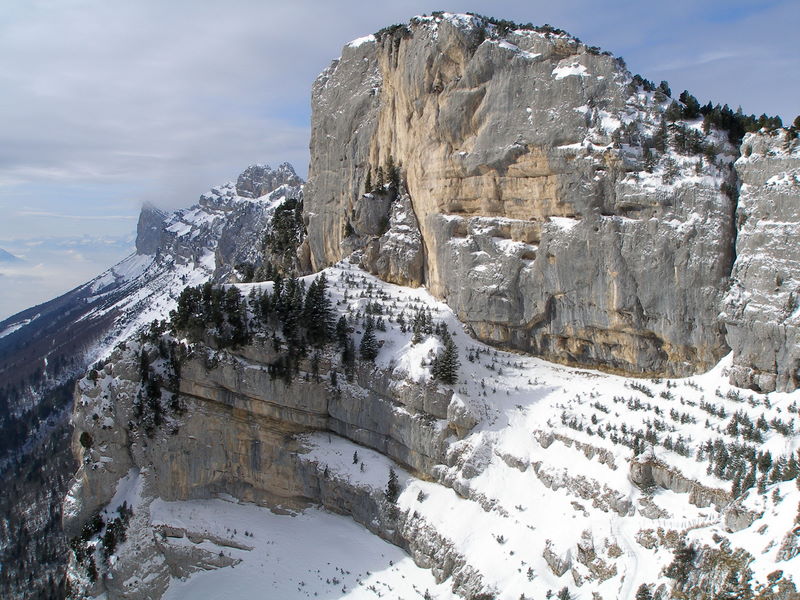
539 220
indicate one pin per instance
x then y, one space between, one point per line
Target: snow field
310 554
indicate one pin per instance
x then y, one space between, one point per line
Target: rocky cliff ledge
232 428
558 214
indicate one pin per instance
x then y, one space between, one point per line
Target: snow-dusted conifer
369 344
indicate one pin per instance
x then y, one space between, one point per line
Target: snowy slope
545 491
312 554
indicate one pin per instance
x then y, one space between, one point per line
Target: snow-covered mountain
205 241
44 348
482 196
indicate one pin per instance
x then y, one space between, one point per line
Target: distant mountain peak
259 180
7 257
148 229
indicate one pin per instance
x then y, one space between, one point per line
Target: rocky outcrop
397 254
648 472
558 564
736 517
259 180
762 310
509 147
148 229
231 225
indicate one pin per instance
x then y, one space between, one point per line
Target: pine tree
144 366
368 348
392 492
290 311
276 298
445 365
682 561
392 173
234 331
673 112
379 181
317 313
736 486
416 327
368 182
660 137
792 469
691 109
776 474
349 359
734 588
341 332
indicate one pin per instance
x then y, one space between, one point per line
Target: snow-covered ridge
18 325
361 41
185 247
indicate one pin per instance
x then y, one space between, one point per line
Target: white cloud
44 213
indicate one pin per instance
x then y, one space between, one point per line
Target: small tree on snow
368 348
446 364
392 492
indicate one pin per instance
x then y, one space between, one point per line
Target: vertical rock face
397 256
761 310
148 229
540 222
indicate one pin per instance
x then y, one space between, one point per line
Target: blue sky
107 104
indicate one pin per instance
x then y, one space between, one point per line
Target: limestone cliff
541 223
761 311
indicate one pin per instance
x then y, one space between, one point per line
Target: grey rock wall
761 311
149 229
